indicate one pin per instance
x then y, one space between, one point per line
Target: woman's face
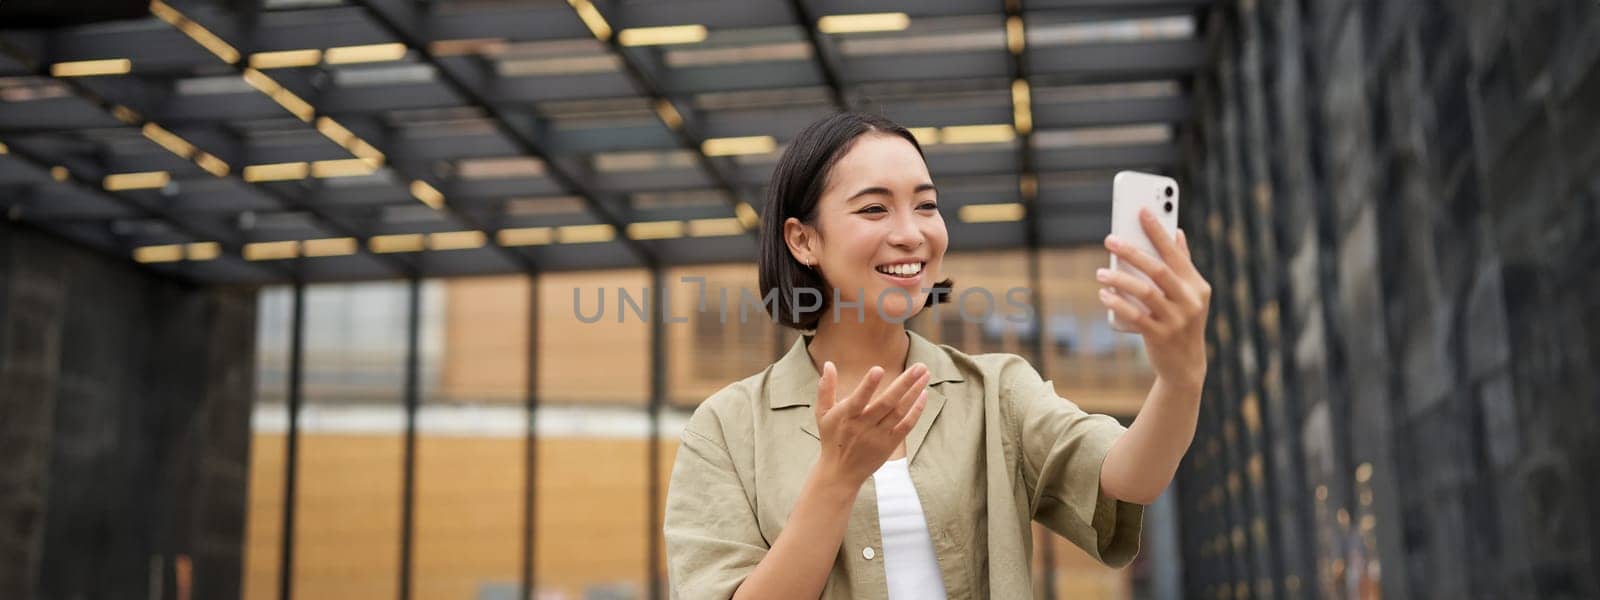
877 228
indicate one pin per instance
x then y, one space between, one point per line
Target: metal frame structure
544 118
532 137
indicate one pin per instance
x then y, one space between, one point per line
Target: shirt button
868 553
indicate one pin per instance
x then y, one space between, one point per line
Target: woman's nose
905 233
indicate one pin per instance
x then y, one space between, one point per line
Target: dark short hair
794 190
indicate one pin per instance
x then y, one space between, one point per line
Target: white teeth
902 270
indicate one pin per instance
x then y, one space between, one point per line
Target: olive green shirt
995 448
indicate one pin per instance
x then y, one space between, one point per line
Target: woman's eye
872 209
932 205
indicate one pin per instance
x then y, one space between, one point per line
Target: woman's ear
802 241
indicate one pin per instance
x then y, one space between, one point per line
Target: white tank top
909 563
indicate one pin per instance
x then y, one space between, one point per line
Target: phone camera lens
1169 194
1169 206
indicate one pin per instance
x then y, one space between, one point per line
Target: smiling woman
882 210
918 469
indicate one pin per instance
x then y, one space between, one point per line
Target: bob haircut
796 187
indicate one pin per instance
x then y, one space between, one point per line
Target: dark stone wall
1400 204
124 425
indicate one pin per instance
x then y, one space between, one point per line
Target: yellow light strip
136 181
977 134
591 18
660 36
342 246
195 31
211 164
167 139
366 152
59 173
276 172
272 250
402 242
112 66
715 227
286 58
926 136
158 254
344 55
4 149
583 234
655 230
203 250
747 215
1021 106
483 46
524 236
90 68
332 130
668 114
285 98
349 167
992 213
125 114
1016 41
865 22
455 240
427 194
756 144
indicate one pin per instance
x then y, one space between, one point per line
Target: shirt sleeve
712 539
1062 449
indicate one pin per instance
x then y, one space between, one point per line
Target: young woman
869 462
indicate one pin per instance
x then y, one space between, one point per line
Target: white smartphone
1131 191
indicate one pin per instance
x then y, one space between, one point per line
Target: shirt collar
794 377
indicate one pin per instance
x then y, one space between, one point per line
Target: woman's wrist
831 484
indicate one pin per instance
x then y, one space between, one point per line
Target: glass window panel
471 437
979 316
714 349
347 529
1100 369
605 362
592 505
268 431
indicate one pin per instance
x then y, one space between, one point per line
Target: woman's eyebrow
885 191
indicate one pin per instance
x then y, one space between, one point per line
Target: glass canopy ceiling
255 142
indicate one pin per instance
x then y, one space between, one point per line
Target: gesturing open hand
860 432
1177 298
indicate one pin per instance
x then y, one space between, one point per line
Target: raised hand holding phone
1153 288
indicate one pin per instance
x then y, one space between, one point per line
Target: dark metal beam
412 267
291 456
229 244
234 246
658 401
401 22
688 132
530 466
827 57
408 466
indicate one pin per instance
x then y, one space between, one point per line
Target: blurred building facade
1402 219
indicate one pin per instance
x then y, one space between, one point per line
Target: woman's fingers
886 400
859 398
1164 243
1159 272
1137 287
901 402
825 389
911 417
1129 315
